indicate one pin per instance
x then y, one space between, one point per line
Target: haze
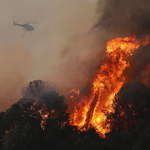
40 54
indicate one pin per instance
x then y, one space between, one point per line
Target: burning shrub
40 107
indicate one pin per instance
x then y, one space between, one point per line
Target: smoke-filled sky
42 53
68 41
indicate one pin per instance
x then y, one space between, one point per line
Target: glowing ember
44 117
92 110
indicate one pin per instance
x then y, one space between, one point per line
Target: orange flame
92 110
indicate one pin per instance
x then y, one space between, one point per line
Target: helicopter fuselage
26 26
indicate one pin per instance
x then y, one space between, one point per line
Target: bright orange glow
92 109
44 117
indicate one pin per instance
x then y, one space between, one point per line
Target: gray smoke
140 63
117 18
68 42
125 17
121 18
40 54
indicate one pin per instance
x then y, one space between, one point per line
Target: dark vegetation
41 105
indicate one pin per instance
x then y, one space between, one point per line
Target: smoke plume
68 42
41 54
125 17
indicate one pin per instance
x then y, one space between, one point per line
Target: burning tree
26 120
93 109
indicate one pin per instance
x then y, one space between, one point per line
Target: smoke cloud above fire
125 26
68 41
115 19
125 17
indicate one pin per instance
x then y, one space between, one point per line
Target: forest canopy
39 120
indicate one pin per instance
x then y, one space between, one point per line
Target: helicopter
26 26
